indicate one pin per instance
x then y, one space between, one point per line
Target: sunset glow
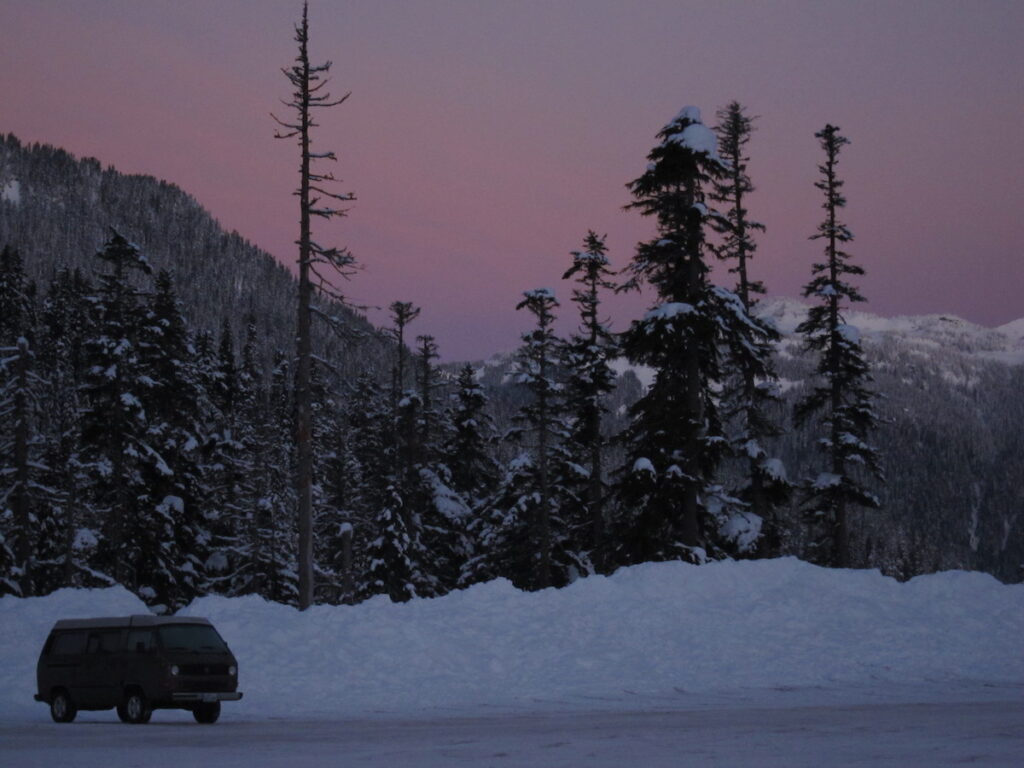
483 140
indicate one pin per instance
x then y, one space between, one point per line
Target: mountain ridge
57 210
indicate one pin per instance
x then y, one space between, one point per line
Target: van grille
204 669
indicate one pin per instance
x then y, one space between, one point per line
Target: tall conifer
842 399
668 494
751 386
588 357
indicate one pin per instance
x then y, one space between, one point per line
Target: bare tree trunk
347 581
309 81
544 514
303 394
22 515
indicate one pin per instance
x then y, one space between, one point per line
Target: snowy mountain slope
951 396
57 211
652 630
925 333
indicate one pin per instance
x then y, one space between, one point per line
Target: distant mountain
57 210
952 395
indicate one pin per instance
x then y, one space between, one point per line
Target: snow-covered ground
757 663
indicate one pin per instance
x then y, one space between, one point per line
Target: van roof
117 622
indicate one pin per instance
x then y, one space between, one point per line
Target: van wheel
135 708
62 709
207 713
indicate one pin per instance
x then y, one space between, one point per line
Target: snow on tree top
699 138
690 113
669 310
539 293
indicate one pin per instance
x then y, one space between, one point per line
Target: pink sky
483 139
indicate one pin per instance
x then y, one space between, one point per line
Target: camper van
136 664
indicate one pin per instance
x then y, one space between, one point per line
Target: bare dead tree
319 269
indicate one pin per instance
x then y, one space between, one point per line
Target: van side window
104 642
68 644
136 636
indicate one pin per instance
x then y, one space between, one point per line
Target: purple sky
483 139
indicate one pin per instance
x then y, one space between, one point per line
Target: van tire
207 713
62 709
136 708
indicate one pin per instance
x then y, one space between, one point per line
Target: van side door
100 670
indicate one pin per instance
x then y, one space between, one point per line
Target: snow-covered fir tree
522 534
235 538
670 503
751 388
174 432
588 357
114 416
65 322
19 388
842 400
274 554
440 513
402 313
390 553
474 472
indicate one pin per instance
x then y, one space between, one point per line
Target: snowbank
664 627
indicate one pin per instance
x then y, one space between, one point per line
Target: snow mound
659 627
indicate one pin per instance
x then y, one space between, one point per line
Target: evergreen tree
237 568
405 405
588 357
339 476
402 313
752 387
273 547
676 439
19 386
174 432
441 512
225 463
389 551
427 383
474 471
535 492
66 321
842 399
503 546
114 418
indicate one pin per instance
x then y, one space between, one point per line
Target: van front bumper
206 697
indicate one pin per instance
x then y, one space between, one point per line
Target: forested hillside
58 210
148 418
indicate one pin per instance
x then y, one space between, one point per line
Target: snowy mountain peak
947 331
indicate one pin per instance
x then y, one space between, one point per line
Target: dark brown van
136 664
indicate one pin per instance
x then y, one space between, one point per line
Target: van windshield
191 637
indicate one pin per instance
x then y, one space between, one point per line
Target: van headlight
232 670
174 669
